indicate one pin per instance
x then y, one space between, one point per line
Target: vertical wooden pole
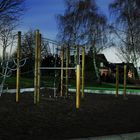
62 71
18 67
83 70
36 67
117 80
78 86
75 56
67 65
38 74
55 72
78 56
125 67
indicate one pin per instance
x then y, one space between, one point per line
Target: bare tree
11 9
127 28
10 12
82 24
28 45
6 37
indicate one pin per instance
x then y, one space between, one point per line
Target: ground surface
98 115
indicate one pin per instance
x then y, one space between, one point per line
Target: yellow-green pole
83 71
117 80
62 71
77 86
125 80
36 67
67 65
38 74
18 69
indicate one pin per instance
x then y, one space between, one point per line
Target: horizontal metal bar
57 68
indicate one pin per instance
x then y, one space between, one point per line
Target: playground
70 70
58 119
63 103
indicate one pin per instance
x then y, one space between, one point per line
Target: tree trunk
5 70
95 65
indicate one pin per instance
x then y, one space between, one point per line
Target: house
131 70
102 64
108 70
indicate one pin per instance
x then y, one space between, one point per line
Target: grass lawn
28 82
24 82
49 82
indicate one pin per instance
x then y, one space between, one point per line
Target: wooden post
36 67
67 65
62 71
77 86
18 67
125 67
38 74
117 80
83 71
78 56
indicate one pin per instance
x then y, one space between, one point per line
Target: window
101 64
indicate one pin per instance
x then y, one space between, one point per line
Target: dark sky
41 14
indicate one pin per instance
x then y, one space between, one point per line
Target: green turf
49 82
24 82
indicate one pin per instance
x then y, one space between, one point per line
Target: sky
41 14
